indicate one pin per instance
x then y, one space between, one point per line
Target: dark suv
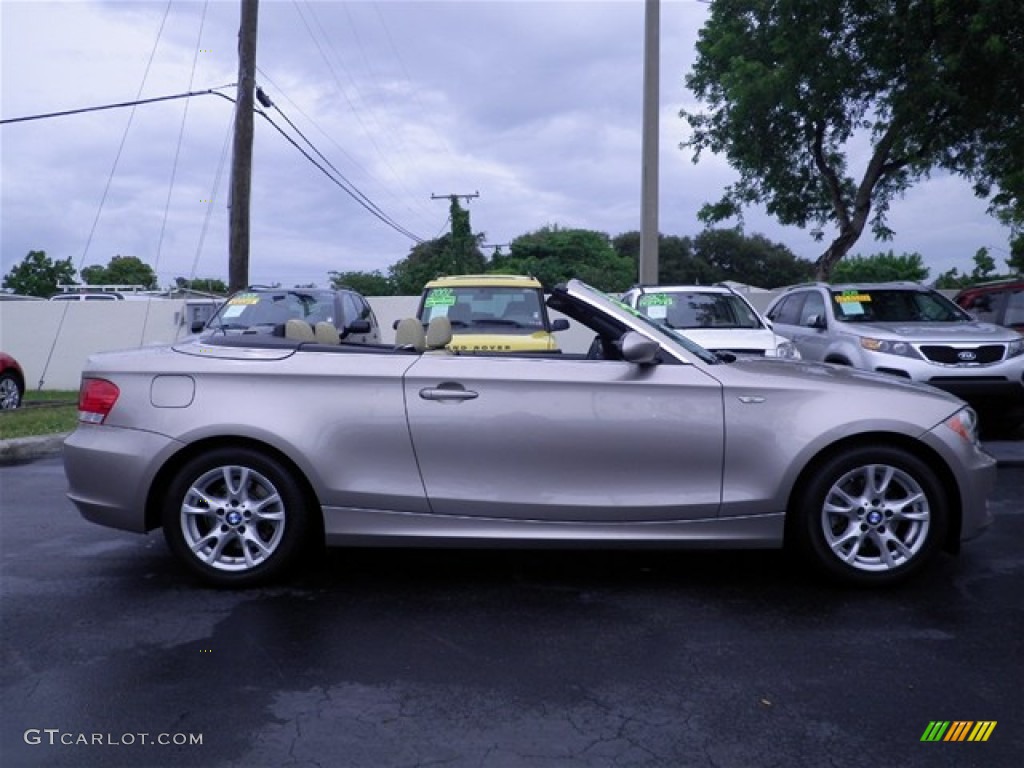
1000 302
259 309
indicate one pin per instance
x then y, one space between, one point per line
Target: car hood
830 376
985 333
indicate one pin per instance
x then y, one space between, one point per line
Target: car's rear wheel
235 517
10 392
871 516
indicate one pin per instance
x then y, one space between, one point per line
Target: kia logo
966 355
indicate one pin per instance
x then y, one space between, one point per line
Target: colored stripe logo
959 730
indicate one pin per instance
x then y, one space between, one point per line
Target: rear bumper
110 471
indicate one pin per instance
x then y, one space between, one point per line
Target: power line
355 194
65 113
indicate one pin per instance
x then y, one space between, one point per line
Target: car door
566 439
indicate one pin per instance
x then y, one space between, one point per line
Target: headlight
887 347
965 424
1015 348
786 350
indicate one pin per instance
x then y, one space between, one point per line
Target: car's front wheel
871 516
235 517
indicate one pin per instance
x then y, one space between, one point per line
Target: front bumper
974 472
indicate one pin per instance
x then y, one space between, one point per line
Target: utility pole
649 153
241 156
462 233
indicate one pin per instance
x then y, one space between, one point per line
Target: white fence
52 339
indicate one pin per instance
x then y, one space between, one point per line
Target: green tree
677 264
793 88
122 270
752 259
367 283
880 268
39 275
984 265
431 259
553 255
1016 260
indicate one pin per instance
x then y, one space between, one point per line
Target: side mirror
198 326
561 324
356 326
817 322
637 348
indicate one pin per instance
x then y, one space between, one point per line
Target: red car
1000 302
12 383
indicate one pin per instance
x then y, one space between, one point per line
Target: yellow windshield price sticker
245 298
853 298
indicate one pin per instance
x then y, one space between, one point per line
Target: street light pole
649 152
241 157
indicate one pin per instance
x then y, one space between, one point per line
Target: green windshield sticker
655 300
440 297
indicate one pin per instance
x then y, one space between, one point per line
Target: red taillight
95 399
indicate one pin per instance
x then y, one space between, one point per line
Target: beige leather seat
410 335
326 333
299 330
439 334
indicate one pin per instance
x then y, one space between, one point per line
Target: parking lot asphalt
1009 453
112 656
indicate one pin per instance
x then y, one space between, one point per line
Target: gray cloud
534 104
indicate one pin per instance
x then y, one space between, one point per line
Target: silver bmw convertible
247 450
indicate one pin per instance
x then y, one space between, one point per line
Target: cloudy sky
536 105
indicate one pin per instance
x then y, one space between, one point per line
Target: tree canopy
881 268
553 255
720 254
795 89
39 275
122 270
367 283
984 270
432 258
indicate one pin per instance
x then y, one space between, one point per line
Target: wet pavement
384 658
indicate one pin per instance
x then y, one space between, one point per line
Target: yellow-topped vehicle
492 313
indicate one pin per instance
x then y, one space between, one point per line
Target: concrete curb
1009 453
24 449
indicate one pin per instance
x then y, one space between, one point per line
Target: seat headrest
326 333
410 335
299 330
439 333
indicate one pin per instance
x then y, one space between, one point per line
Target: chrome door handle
445 393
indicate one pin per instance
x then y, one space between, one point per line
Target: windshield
894 305
656 330
251 309
491 307
694 309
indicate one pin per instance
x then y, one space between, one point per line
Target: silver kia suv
906 330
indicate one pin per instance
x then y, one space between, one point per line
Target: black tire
11 392
870 516
235 517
